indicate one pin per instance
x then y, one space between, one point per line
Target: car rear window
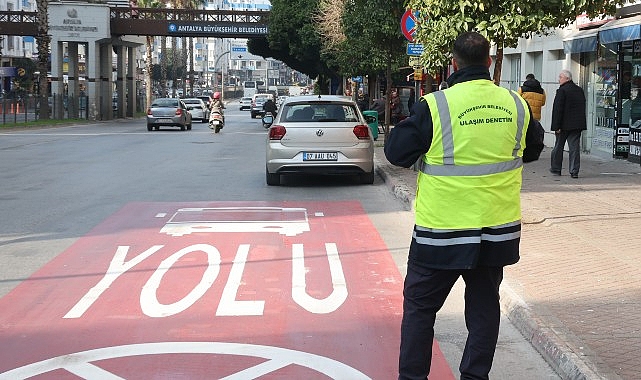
165 103
323 112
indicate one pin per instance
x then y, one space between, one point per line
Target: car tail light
362 132
179 112
277 132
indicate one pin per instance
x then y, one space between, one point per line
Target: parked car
319 135
245 103
168 112
198 109
258 100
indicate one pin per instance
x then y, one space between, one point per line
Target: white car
197 108
245 103
324 134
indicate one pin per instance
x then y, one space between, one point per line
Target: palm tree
192 4
43 39
150 43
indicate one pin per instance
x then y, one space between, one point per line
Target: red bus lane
226 290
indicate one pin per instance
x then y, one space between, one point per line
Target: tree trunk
498 64
388 94
190 55
150 42
173 67
163 66
43 39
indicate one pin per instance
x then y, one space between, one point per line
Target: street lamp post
222 78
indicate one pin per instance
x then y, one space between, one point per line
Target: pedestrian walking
533 94
568 121
471 140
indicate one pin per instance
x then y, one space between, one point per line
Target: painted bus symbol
285 221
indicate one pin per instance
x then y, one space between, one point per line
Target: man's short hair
530 76
567 74
471 49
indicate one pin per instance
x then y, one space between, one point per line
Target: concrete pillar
73 85
106 85
121 64
132 91
93 79
57 85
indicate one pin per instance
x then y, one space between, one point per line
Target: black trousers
424 293
573 138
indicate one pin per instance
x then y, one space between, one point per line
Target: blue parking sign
414 49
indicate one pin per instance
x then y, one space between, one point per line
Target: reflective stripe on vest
449 168
473 238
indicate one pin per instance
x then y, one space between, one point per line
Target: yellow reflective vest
470 177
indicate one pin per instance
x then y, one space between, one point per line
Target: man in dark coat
568 121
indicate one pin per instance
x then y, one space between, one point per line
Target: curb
547 340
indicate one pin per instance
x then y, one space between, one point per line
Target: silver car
168 112
245 103
198 109
319 135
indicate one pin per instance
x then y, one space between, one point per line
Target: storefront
611 74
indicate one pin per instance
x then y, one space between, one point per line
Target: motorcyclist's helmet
216 95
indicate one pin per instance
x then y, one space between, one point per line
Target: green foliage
292 37
373 37
502 21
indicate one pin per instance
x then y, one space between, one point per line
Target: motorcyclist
216 106
270 107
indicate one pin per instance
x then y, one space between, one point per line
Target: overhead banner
218 29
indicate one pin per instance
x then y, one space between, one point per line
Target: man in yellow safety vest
471 140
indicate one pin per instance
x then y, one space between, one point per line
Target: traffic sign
238 49
414 49
409 23
292 290
414 61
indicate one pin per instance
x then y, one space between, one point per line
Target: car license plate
164 120
320 156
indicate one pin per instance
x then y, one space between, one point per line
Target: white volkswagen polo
319 134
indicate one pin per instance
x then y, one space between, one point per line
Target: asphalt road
56 184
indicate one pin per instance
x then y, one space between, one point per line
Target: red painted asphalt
213 290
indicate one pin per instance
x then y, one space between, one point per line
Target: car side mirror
268 119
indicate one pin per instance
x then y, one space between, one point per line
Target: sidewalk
576 292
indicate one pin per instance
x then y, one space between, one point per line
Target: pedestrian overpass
105 30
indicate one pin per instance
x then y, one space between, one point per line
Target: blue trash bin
373 125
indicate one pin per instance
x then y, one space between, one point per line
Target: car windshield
191 101
321 112
165 103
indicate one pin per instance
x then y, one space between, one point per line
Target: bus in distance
249 89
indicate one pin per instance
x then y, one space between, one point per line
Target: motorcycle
216 121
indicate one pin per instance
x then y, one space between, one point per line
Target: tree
294 39
503 22
148 50
43 40
359 45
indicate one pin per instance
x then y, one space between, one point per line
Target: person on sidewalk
533 94
471 140
568 121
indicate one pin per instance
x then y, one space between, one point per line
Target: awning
623 29
580 41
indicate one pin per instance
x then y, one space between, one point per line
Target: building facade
604 57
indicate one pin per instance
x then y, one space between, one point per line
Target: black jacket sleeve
533 141
410 138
